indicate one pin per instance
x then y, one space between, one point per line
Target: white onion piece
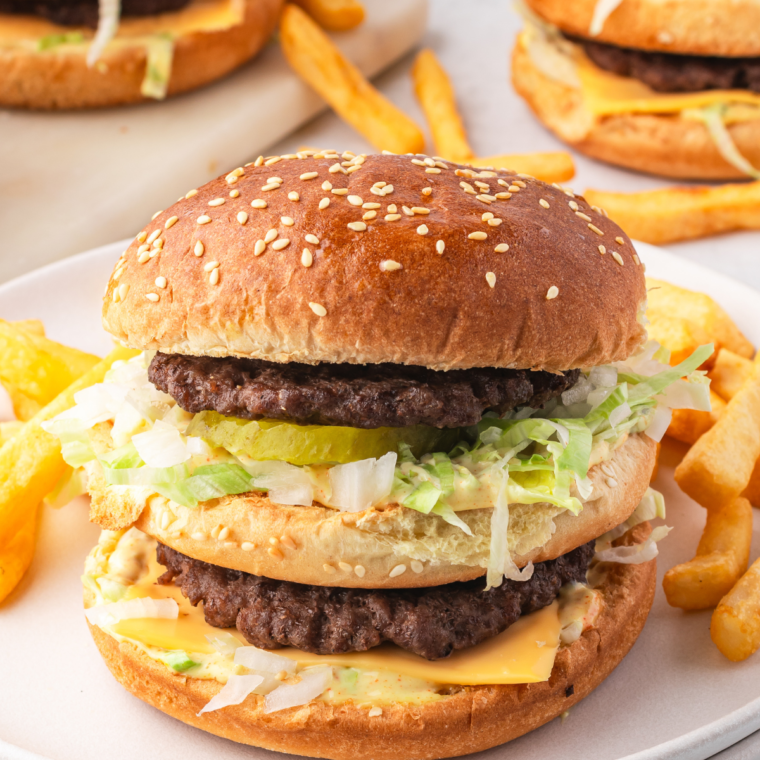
585 487
233 692
357 486
108 22
638 554
6 406
286 483
579 392
603 377
126 421
314 682
602 11
598 396
198 447
619 413
257 659
683 395
224 643
660 423
161 446
145 607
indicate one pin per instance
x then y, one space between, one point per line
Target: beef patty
85 12
669 72
377 395
431 622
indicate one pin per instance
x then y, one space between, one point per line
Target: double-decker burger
671 88
388 412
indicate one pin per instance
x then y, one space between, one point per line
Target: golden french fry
718 467
315 58
34 326
17 553
334 15
735 626
557 166
722 556
23 407
664 299
436 95
8 430
682 213
752 491
729 373
680 336
689 425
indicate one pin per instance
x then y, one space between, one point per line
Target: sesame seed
417 162
324 203
259 161
369 215
170 222
636 259
390 266
309 175
335 168
211 266
359 570
491 279
427 190
602 250
503 182
371 205
156 214
618 258
379 184
503 196
619 240
123 290
422 229
199 536
553 292
223 534
271 186
432 171
214 278
483 186
247 546
583 216
272 160
519 183
357 226
276 553
153 236
392 217
288 541
486 216
216 202
355 200
143 257
234 193
407 210
318 309
392 208
420 210
573 205
158 243
161 282
484 198
440 246
339 191
513 189
294 196
306 258
495 222
152 297
599 210
468 188
398 570
544 203
416 566
259 248
242 217
595 229
154 253
345 567
278 245
477 236
287 221
259 203
313 239
429 161
375 712
326 185
354 168
270 236
387 189
611 482
329 569
141 236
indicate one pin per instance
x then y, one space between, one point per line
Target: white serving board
674 697
75 180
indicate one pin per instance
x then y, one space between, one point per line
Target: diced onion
146 607
579 392
602 11
637 554
603 377
224 643
286 483
260 660
233 692
359 485
161 446
314 682
108 22
660 423
620 413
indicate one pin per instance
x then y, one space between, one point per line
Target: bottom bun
658 144
471 719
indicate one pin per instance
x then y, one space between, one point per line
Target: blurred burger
668 88
389 414
59 54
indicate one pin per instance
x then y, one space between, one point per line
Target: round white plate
675 696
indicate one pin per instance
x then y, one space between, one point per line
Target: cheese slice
524 653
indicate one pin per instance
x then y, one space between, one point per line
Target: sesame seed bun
470 719
337 283
657 144
695 27
390 547
59 78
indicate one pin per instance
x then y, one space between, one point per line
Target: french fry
8 430
722 556
735 625
680 336
314 57
752 491
30 467
334 15
682 213
557 166
17 553
689 425
729 373
718 467
34 326
664 299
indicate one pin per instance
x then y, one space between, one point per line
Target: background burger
84 53
390 413
668 88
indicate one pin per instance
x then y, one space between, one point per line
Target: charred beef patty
430 622
85 12
669 72
378 395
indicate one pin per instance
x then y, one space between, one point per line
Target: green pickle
314 444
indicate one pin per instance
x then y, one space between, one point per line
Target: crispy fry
17 553
752 491
680 336
735 626
664 299
31 466
729 373
315 58
719 465
34 326
682 213
722 556
688 425
23 407
8 430
334 15
557 166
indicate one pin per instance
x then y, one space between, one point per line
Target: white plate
673 697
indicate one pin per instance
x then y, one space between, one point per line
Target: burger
667 88
64 54
376 483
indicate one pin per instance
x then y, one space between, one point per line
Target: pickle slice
315 444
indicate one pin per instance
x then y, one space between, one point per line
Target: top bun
695 27
315 260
